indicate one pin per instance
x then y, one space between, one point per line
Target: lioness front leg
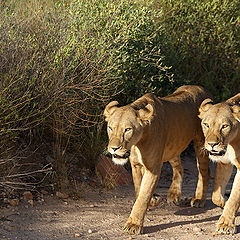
174 191
226 223
222 175
134 224
203 173
137 173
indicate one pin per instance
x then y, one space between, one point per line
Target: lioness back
179 113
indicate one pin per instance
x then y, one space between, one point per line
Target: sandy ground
101 214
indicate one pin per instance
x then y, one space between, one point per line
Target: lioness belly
175 147
171 153
181 130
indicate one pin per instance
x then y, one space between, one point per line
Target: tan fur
221 127
157 130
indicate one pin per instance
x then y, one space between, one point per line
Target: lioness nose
212 144
115 148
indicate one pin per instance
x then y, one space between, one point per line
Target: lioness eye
128 129
224 126
206 125
109 128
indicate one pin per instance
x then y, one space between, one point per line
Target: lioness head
125 128
220 124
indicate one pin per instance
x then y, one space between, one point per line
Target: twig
29 173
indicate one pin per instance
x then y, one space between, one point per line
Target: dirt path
101 215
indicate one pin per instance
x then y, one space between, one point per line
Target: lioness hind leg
203 173
226 223
222 175
174 191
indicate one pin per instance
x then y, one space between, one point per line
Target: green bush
61 61
125 37
48 82
68 58
203 43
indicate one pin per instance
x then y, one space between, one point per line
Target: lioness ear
236 111
146 113
205 106
234 103
109 109
234 100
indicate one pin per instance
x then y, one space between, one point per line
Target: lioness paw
198 203
132 228
155 200
225 226
173 197
218 200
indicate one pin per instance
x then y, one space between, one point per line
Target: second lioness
221 127
151 131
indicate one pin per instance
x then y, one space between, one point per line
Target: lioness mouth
221 153
126 155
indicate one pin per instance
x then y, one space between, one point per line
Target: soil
101 214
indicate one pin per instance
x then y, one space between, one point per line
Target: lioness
221 127
154 130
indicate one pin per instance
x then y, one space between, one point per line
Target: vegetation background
62 61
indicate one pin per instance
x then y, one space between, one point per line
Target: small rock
92 205
197 230
77 235
89 231
40 198
62 195
27 195
130 238
31 202
13 202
